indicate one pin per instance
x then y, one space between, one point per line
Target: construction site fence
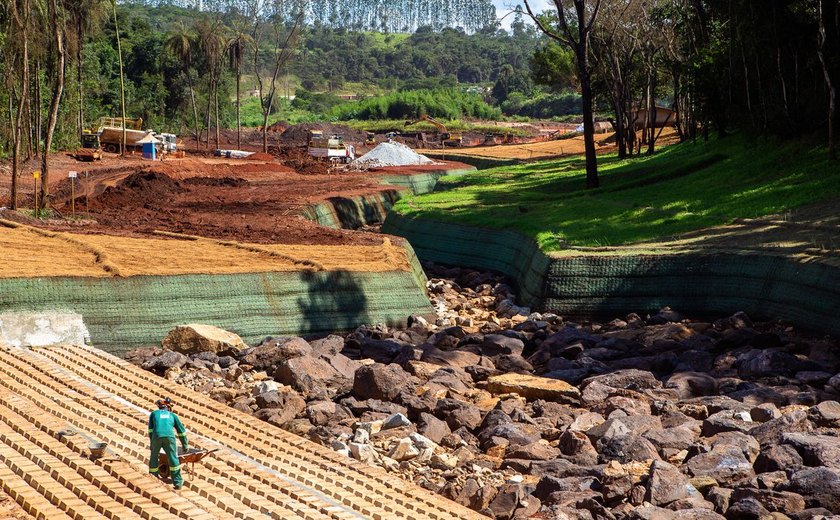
805 292
125 313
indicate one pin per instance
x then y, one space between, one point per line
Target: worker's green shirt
164 423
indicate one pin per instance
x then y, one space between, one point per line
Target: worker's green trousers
170 448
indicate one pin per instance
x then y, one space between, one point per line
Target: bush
543 106
438 103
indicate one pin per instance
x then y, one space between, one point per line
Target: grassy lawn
458 125
681 188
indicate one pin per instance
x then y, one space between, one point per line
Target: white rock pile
390 154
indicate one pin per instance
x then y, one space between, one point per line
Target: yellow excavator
446 137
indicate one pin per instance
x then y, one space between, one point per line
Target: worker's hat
164 402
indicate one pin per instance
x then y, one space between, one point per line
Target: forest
768 67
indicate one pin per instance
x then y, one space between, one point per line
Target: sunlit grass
680 189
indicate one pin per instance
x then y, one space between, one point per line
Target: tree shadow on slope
334 301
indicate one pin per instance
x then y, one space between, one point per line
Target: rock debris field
525 415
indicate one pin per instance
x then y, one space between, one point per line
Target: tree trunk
36 100
238 104
588 113
216 109
122 79
829 54
58 89
265 130
196 132
79 64
22 103
652 112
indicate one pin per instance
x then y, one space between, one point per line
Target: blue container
149 151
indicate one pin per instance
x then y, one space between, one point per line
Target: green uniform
164 425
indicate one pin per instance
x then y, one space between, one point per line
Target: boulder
692 384
379 381
726 465
458 414
271 353
625 449
782 457
533 387
195 337
165 361
433 428
495 344
311 376
667 484
819 486
324 413
779 501
629 378
816 450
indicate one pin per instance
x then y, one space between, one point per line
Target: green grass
681 188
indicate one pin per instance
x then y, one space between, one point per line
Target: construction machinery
107 134
332 148
370 139
91 150
446 137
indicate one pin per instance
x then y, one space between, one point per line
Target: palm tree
212 43
85 16
236 53
181 43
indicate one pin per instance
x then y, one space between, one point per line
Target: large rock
379 381
667 484
312 377
819 486
495 344
726 465
458 414
433 428
533 387
165 361
195 337
629 378
274 351
816 450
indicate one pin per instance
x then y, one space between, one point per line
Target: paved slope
260 471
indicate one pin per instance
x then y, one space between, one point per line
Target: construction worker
164 425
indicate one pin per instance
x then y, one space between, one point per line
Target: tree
55 21
122 78
18 60
180 42
829 54
284 38
577 16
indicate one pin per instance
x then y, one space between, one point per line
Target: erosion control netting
125 313
763 284
390 154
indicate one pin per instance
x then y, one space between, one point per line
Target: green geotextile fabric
364 210
482 163
124 313
765 285
507 252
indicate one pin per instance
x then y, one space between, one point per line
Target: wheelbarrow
189 457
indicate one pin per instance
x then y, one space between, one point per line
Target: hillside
682 188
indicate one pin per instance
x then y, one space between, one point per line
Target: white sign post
72 176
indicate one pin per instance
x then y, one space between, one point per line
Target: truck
332 148
106 134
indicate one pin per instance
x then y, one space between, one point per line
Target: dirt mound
216 181
298 135
260 156
142 188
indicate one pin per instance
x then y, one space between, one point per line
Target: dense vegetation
682 188
441 103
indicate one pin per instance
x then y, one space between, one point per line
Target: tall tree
181 42
284 37
18 84
56 21
122 78
829 54
574 22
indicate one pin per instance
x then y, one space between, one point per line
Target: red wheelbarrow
189 457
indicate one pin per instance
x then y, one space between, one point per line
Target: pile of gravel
390 154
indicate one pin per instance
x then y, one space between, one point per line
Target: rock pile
390 154
518 414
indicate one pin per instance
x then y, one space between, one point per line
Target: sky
505 6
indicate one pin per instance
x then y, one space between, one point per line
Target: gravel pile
390 154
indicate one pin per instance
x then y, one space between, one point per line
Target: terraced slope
55 401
